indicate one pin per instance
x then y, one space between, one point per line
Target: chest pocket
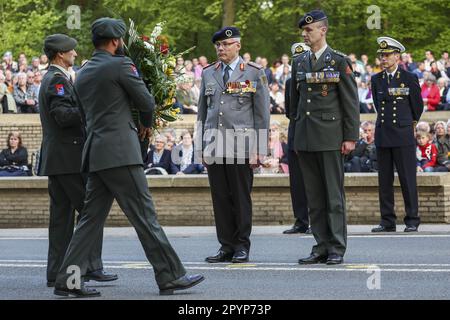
242 99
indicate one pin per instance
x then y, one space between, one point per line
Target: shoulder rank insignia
339 53
327 57
210 65
254 65
241 66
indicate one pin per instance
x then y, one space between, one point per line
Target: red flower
164 48
145 38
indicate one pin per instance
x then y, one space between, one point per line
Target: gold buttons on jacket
309 101
220 113
220 125
308 113
309 89
382 102
382 121
394 121
395 102
395 108
382 114
221 102
394 115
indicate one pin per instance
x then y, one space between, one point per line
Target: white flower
149 46
157 30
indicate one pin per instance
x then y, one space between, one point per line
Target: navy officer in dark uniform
397 98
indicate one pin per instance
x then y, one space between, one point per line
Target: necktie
313 59
390 77
226 74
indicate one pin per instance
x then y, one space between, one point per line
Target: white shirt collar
63 70
232 64
320 52
393 73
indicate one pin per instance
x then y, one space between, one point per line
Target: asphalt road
386 266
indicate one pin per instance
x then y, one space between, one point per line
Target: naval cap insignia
309 19
229 33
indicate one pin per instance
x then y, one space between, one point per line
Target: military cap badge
383 45
229 33
309 19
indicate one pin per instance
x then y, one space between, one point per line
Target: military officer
324 104
108 85
298 193
60 157
233 112
397 98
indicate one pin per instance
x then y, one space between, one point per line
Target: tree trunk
228 13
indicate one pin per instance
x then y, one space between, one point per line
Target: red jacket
427 152
434 97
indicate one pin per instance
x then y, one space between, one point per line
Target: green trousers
128 186
324 181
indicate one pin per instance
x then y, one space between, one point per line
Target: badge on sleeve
60 89
135 71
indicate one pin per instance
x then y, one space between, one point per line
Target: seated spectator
184 95
14 159
363 158
7 103
442 84
24 96
8 63
435 71
267 70
430 93
195 90
188 69
442 143
276 99
43 62
284 77
171 137
272 163
426 152
159 158
35 62
420 70
365 98
183 156
423 126
377 67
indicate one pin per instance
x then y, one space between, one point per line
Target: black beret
108 28
59 43
311 17
226 33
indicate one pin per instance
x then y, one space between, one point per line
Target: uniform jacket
325 113
243 114
63 132
396 113
108 86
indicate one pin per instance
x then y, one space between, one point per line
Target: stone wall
186 200
29 126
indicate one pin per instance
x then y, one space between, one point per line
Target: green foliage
268 27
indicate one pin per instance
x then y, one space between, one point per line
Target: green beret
108 28
59 43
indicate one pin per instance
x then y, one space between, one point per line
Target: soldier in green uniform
108 85
324 105
60 157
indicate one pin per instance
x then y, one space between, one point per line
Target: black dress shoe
381 228
100 276
313 259
51 283
185 282
296 229
221 256
411 229
83 292
335 259
240 256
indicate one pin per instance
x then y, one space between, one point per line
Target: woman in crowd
274 163
14 159
160 158
430 93
276 99
184 154
442 143
7 103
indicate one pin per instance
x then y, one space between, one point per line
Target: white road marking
130 265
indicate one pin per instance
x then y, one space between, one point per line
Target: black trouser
404 159
128 185
323 173
231 186
298 193
67 195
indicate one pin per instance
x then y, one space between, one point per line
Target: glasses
224 44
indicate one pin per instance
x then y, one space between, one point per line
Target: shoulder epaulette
339 53
210 65
254 65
